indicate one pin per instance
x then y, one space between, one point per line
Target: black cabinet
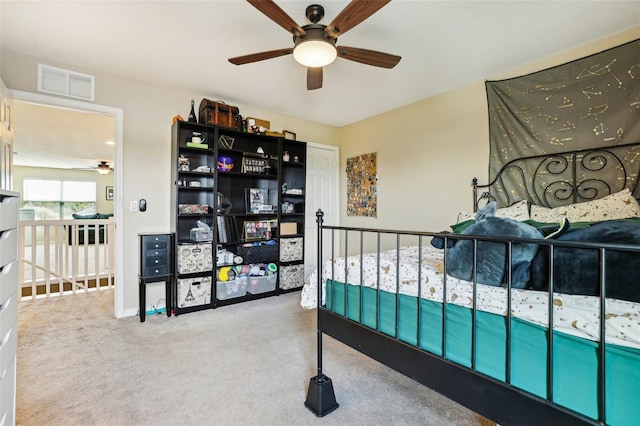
235 197
156 265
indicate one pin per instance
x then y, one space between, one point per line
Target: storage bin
291 249
195 258
231 289
193 209
201 234
291 276
264 284
194 291
259 254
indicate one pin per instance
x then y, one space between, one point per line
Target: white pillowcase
518 211
621 205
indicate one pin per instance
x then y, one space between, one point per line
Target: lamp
314 49
103 168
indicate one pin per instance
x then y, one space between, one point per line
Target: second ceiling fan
315 44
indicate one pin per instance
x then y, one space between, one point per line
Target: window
59 199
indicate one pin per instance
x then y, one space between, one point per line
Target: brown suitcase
217 112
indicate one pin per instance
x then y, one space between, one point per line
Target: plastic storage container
231 289
264 284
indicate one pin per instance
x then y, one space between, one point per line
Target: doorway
118 115
322 192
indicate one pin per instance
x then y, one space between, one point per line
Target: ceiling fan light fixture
315 53
103 168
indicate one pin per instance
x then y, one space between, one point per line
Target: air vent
66 83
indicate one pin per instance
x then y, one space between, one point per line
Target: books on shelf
227 229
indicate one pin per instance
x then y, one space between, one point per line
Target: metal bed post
321 399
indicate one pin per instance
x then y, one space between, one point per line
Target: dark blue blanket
576 271
491 257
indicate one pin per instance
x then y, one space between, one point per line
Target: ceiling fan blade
255 57
355 12
278 16
369 57
314 78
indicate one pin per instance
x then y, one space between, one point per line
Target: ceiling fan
102 167
315 44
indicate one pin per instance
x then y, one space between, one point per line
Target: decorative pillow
491 256
621 205
518 211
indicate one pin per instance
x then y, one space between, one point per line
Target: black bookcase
251 197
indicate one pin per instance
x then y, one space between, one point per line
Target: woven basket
259 254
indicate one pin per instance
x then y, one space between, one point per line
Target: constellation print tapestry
362 197
586 104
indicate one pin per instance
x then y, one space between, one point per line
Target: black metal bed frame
494 399
551 180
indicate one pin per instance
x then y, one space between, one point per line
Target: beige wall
148 111
428 152
102 204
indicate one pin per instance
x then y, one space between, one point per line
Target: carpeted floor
246 364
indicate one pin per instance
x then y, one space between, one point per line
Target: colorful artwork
362 197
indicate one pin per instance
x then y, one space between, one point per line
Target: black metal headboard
553 180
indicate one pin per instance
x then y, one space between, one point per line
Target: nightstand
156 265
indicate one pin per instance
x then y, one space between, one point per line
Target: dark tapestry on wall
589 103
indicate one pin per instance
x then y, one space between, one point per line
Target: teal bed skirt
575 360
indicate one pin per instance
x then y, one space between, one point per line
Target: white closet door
322 192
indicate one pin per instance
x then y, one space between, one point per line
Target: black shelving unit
239 185
292 214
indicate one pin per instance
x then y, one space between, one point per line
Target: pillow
621 205
491 256
518 211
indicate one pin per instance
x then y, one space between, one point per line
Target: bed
489 345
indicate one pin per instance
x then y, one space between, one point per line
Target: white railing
60 257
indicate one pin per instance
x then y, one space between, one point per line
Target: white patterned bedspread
575 315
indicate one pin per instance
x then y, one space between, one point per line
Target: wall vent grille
66 83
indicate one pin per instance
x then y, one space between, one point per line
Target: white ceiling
443 44
61 138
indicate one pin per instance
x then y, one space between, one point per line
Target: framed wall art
362 197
